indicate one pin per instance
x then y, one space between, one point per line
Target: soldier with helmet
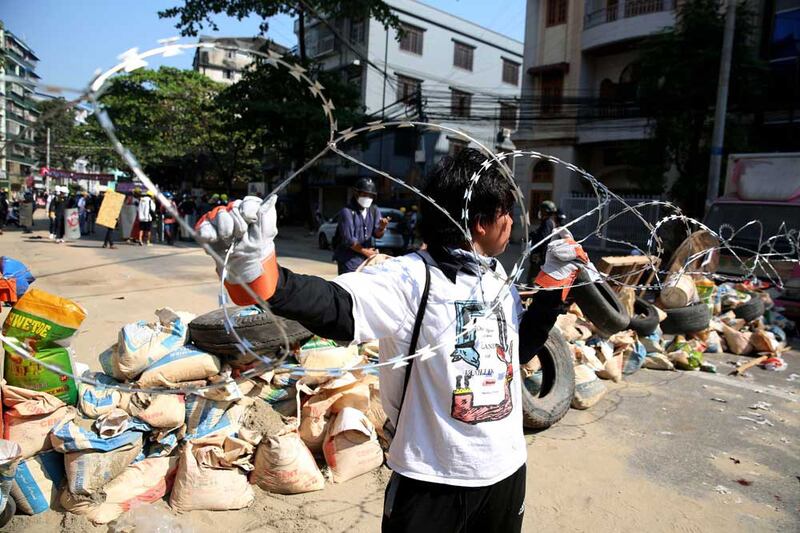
360 223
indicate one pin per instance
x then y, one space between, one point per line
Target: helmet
168 195
223 197
137 190
548 207
366 185
402 209
151 194
215 196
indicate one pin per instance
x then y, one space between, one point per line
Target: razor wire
132 60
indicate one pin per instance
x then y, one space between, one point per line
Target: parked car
392 240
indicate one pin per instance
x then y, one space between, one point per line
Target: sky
73 38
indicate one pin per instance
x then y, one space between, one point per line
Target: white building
227 66
468 77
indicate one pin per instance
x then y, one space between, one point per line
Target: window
456 145
543 173
556 12
407 88
227 74
508 116
230 54
462 55
510 72
411 39
357 31
552 89
460 103
405 142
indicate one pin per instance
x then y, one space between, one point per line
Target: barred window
411 39
510 72
407 88
556 12
463 55
460 103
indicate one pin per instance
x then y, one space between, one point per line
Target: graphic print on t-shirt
483 389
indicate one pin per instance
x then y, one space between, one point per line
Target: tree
195 13
59 117
678 73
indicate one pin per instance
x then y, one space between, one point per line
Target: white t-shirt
146 209
461 422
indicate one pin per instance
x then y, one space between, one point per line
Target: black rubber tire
558 385
689 319
323 242
645 318
207 332
751 309
600 304
9 512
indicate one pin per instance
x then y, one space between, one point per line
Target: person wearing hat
56 213
360 223
547 223
147 208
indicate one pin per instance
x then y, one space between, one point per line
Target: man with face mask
360 223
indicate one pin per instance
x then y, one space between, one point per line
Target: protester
547 223
83 198
360 223
92 207
146 210
56 213
170 222
409 226
458 452
4 207
188 210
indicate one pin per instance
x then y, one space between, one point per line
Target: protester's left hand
563 259
382 223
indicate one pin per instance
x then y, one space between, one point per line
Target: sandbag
95 400
158 410
679 291
627 295
633 358
10 456
658 361
30 416
738 341
588 388
284 465
186 363
199 487
204 416
764 342
23 372
141 344
139 484
37 481
329 399
319 353
88 471
79 434
351 445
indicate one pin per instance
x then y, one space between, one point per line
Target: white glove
253 226
562 261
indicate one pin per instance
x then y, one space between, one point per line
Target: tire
207 332
600 304
557 388
9 511
689 319
751 309
323 241
645 318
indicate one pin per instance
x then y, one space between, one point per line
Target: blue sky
73 38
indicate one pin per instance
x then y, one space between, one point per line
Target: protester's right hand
251 227
369 252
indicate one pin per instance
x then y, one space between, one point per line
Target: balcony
610 120
613 21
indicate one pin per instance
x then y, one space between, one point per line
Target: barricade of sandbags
284 464
29 417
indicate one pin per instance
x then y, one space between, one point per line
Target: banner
110 209
126 218
26 214
72 226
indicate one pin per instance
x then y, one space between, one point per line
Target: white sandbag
328 399
30 416
37 481
158 410
186 363
199 487
141 344
588 388
284 465
10 456
205 417
351 446
320 353
95 400
88 471
139 484
658 361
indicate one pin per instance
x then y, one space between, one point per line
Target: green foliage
59 117
678 73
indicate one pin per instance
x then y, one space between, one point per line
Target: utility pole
718 137
47 158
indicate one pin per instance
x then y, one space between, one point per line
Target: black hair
446 184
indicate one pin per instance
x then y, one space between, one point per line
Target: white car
392 239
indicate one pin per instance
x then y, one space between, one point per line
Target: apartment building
18 112
468 78
228 66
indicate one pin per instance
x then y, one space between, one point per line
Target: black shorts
145 226
412 506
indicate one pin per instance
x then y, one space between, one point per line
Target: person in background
170 222
547 223
56 213
147 208
50 196
4 206
204 206
360 223
92 207
188 210
83 199
223 199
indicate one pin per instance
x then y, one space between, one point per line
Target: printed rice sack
37 481
10 455
186 363
351 446
30 416
198 486
141 344
139 484
588 388
44 324
284 465
96 400
158 410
